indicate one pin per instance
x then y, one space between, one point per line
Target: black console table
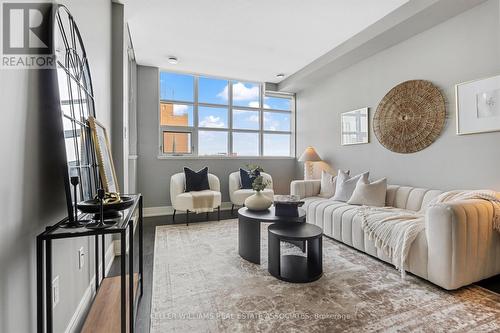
44 266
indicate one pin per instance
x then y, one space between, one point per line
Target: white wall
31 188
463 48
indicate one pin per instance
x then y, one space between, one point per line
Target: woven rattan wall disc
410 117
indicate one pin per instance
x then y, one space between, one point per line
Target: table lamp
308 156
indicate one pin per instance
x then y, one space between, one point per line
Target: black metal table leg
123 289
249 240
140 245
39 284
131 297
103 255
96 255
48 284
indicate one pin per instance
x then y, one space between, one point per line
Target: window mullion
230 118
194 142
261 121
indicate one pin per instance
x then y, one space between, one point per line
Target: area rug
201 284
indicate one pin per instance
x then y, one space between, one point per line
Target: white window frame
229 130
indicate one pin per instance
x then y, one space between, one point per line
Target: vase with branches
258 201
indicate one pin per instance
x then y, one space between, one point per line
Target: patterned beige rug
201 284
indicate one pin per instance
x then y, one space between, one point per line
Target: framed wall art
354 127
478 106
104 157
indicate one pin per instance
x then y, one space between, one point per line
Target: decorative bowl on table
111 209
287 205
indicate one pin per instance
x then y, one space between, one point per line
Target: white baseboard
169 210
76 320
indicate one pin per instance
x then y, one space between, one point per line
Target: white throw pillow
328 181
346 184
369 194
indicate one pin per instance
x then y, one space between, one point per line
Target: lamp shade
309 155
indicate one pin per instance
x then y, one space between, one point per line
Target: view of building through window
203 116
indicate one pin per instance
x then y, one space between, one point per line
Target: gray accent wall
463 48
154 174
31 187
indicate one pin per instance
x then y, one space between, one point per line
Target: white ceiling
246 39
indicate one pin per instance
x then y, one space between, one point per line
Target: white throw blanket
393 230
203 201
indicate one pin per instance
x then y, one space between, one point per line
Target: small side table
295 268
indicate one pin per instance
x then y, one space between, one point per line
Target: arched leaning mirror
77 104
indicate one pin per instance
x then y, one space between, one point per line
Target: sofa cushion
196 181
369 194
345 185
328 182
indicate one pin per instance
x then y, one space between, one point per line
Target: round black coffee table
295 268
249 230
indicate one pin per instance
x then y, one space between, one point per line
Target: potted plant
258 201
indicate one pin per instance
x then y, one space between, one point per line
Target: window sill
186 157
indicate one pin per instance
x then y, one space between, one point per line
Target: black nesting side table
295 268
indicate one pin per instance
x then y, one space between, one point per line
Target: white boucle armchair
183 201
237 195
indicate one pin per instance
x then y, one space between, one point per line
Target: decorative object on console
196 181
287 205
369 194
258 201
478 106
354 127
75 223
104 156
345 185
410 117
111 205
99 223
308 156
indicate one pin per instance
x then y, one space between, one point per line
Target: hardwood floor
150 224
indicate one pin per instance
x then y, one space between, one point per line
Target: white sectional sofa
458 246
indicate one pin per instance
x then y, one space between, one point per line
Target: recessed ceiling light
280 75
172 60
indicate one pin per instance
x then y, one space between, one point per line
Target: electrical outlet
81 258
55 291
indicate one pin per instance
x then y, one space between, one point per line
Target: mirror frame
72 65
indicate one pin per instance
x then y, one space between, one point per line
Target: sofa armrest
461 243
305 188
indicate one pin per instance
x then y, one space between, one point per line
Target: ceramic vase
258 201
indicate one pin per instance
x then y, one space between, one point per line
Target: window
204 116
